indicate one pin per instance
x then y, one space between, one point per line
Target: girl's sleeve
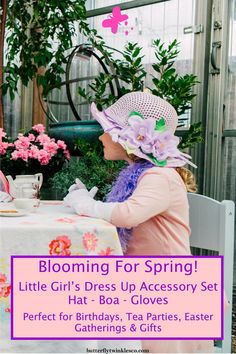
151 197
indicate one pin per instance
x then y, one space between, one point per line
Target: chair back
212 228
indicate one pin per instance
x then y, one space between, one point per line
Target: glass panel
164 20
230 117
229 182
12 113
96 4
229 158
90 4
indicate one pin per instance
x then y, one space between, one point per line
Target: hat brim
111 127
100 117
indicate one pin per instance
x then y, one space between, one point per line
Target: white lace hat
144 124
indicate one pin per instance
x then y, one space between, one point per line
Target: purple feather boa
122 189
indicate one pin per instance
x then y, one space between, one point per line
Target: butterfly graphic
114 20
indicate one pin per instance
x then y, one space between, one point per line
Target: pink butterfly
114 20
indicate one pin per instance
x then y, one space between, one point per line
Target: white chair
212 226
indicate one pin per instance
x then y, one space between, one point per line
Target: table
52 230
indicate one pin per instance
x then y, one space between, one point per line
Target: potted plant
39 33
31 153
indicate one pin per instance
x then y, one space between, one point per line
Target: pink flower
8 309
3 278
43 139
34 149
15 155
20 154
39 128
90 241
60 246
2 133
61 144
43 157
106 252
51 147
33 152
5 291
3 147
4 288
23 142
31 137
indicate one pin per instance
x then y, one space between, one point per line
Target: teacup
26 204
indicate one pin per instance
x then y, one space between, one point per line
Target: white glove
77 185
77 194
5 197
82 203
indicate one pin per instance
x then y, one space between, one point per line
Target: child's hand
77 185
82 202
77 195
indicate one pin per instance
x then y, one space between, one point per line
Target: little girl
148 202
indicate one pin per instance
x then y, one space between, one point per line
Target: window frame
124 6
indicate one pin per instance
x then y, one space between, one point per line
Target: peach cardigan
158 212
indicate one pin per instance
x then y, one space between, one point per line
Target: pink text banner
117 297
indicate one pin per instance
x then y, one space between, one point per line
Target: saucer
12 212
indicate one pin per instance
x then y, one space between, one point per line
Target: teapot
25 186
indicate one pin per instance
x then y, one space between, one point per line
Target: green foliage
35 28
129 70
100 94
191 137
169 85
90 168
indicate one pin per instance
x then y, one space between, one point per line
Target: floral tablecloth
52 230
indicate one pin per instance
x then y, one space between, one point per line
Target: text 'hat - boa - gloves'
144 124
